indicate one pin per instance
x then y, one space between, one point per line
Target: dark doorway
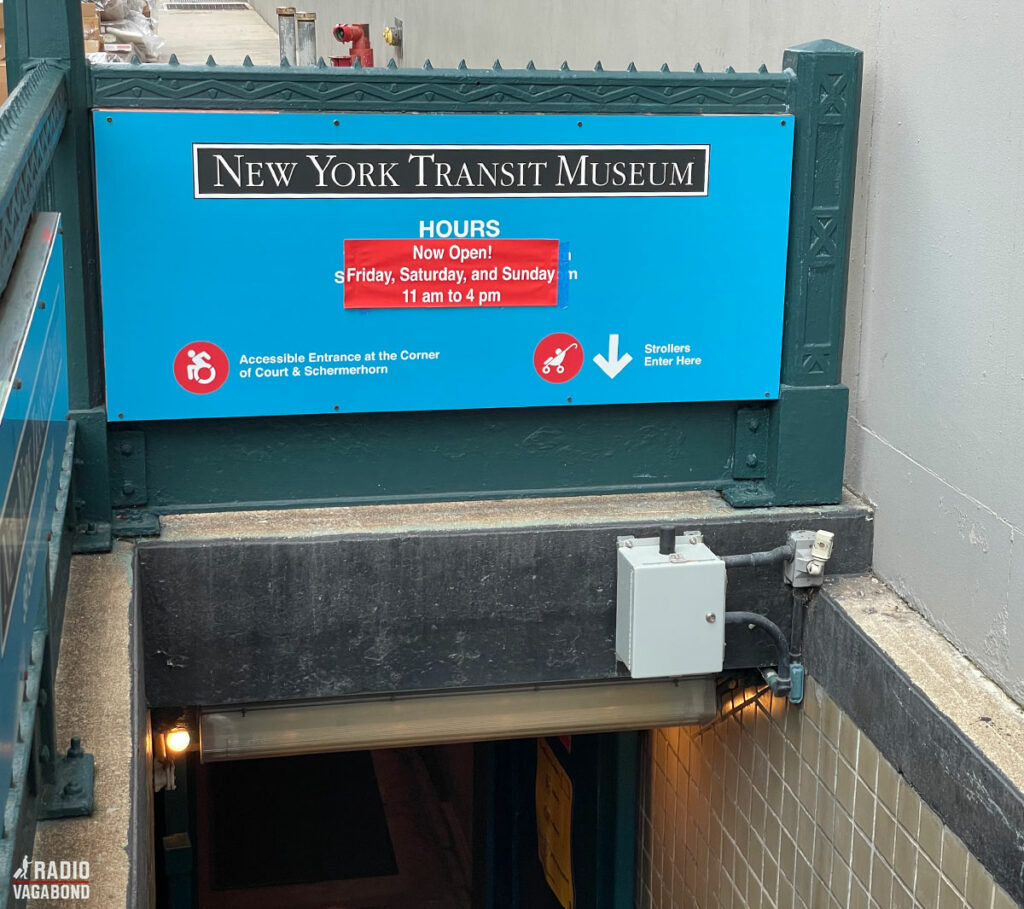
301 820
455 826
353 829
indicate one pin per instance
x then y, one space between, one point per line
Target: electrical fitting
811 550
669 584
670 606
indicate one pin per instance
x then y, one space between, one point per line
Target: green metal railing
785 452
31 123
788 451
37 445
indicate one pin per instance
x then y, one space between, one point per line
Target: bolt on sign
387 262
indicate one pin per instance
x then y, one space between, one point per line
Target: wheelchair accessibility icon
201 370
201 367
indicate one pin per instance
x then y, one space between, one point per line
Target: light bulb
177 739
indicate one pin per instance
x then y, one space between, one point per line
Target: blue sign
33 432
256 264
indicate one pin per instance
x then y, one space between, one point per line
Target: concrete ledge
354 601
93 698
690 508
953 735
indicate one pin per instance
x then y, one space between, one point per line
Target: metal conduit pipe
802 597
779 681
774 556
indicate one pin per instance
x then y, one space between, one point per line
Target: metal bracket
126 454
750 456
92 537
71 792
753 494
134 522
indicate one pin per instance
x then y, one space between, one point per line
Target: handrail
31 122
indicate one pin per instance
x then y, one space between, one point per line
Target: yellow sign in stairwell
554 824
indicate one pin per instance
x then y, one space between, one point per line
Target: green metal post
807 426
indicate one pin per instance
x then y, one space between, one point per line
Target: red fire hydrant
358 35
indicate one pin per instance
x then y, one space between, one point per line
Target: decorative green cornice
496 90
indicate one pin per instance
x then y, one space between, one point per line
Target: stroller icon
556 360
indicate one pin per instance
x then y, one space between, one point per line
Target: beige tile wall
779 806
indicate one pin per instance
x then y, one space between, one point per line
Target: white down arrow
614 364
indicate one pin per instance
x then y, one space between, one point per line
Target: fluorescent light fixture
396 721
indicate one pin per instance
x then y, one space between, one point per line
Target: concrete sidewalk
227 35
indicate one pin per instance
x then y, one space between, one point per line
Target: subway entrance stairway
333 579
736 795
181 611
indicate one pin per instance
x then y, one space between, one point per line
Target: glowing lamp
177 739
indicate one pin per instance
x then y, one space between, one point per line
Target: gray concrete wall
932 353
677 31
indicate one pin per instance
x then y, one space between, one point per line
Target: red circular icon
558 358
201 367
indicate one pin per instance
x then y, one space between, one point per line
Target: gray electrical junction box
670 609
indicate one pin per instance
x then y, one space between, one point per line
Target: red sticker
201 367
558 358
442 274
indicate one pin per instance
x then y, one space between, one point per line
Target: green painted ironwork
41 153
408 457
44 47
31 122
42 784
367 458
428 90
826 103
808 423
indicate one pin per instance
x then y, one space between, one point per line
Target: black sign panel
345 171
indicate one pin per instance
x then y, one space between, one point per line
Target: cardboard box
90 26
93 45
